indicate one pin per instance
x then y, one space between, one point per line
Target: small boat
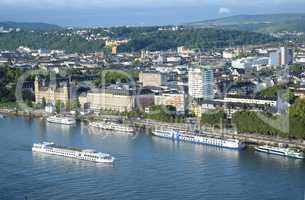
72 152
280 151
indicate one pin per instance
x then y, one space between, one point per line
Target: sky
84 13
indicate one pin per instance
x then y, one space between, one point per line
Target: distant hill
30 26
258 23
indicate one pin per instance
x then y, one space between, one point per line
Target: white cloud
224 11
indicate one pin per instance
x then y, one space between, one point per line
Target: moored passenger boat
61 120
71 152
112 126
200 139
286 152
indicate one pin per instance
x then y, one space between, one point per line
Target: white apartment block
195 82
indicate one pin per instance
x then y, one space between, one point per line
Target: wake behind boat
286 152
200 139
72 152
61 120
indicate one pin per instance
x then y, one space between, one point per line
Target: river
146 167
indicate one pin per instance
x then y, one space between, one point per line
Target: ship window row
276 151
205 140
64 153
88 158
91 156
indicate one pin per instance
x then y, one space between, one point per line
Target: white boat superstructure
112 126
61 120
286 152
71 152
200 139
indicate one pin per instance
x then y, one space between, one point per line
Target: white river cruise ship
200 139
286 152
71 152
61 120
112 126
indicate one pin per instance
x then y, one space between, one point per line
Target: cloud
224 11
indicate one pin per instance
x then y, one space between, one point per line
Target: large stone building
156 79
114 99
54 92
178 100
232 104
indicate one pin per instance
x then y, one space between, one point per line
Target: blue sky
137 12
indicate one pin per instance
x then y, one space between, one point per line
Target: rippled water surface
146 167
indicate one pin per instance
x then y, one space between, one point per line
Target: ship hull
202 140
111 127
61 121
70 154
278 153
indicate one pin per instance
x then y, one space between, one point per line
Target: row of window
86 156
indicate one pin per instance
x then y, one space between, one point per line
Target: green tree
272 91
43 102
213 118
149 38
58 106
296 69
164 114
68 106
8 80
29 103
75 104
250 122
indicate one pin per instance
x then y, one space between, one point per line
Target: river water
146 167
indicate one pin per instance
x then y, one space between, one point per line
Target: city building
208 84
64 93
110 43
173 59
281 56
184 51
156 79
120 100
284 55
195 82
177 100
44 52
232 104
272 102
250 62
201 83
231 53
114 50
116 99
287 56
275 58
